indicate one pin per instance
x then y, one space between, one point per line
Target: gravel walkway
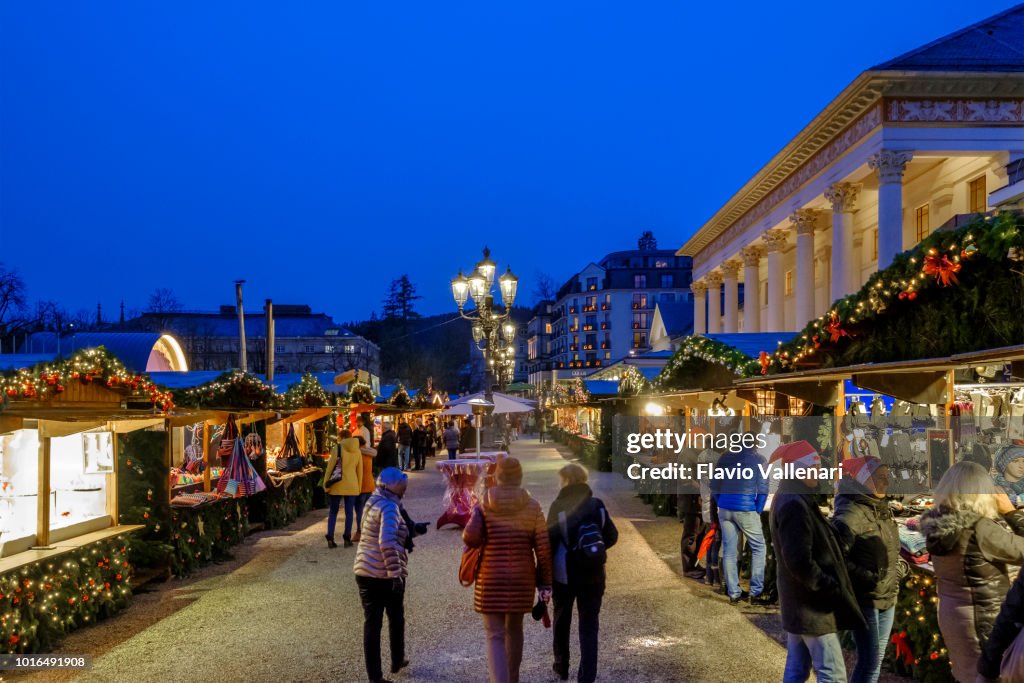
286 609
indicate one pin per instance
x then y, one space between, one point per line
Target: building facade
304 341
538 343
604 312
926 140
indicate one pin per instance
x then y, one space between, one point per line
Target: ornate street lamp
493 330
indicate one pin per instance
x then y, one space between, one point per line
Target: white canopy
503 403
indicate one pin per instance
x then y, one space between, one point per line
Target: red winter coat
517 553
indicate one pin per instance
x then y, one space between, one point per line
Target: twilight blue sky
319 149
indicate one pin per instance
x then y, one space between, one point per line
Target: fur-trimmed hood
942 528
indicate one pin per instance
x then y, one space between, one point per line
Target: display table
491 456
461 477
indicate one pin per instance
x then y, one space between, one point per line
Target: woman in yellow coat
343 480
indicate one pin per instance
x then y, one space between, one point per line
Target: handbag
1012 666
472 558
227 442
291 459
337 472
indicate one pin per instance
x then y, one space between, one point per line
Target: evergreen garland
632 382
693 357
236 390
43 601
957 291
143 496
361 393
307 393
400 399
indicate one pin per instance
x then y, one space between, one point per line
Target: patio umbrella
503 404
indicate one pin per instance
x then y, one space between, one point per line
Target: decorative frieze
1005 111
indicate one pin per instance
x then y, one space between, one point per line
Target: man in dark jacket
387 449
574 514
815 594
740 501
419 446
870 541
1005 631
404 444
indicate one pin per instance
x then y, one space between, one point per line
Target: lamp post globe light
492 327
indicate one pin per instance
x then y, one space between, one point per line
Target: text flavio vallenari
708 471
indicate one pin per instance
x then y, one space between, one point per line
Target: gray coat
381 553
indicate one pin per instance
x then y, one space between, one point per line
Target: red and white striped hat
800 453
861 469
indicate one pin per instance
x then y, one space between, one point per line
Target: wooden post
43 509
840 413
206 456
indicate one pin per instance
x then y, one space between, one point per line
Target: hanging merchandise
227 441
240 479
291 459
253 446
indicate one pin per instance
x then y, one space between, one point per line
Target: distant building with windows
304 341
538 343
604 312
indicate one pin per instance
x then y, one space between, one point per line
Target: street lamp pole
493 331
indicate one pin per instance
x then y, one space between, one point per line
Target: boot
347 541
356 536
330 542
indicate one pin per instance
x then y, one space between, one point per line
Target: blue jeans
352 508
733 522
403 456
333 503
823 653
871 642
453 453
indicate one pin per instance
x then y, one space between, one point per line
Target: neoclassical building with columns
926 140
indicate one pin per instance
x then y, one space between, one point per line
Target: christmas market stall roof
599 388
139 351
388 390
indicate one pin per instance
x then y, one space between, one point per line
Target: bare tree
12 303
163 300
543 287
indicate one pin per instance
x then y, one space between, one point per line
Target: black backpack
589 552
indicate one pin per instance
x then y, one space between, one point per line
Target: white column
730 269
775 242
842 196
714 302
889 165
752 288
823 291
804 221
699 289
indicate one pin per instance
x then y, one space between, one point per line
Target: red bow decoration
835 328
942 269
817 341
902 644
765 361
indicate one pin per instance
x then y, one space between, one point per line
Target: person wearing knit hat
816 596
870 541
1010 472
381 567
510 527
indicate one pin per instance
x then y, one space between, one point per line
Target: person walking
509 525
404 444
387 449
343 480
870 541
970 549
815 594
333 486
580 531
381 567
451 440
740 502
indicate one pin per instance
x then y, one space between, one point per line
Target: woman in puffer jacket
870 541
381 568
510 526
970 550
